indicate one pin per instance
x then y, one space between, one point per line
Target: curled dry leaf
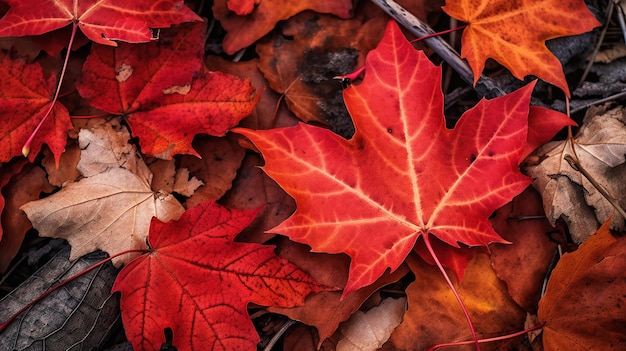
110 208
243 31
368 331
583 307
599 147
499 29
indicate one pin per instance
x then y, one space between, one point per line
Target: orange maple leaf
514 34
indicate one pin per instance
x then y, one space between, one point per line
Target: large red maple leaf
197 281
102 21
403 174
25 97
163 93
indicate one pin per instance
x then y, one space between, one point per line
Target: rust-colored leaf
311 49
25 186
583 307
524 264
433 315
198 282
514 34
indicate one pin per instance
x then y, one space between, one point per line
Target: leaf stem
497 338
6 323
26 147
456 294
438 33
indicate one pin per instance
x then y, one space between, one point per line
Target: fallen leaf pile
282 188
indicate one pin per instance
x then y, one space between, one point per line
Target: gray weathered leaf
78 316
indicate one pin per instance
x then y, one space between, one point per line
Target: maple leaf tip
26 150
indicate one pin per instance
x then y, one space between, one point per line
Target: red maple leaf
197 281
101 21
25 97
162 91
403 174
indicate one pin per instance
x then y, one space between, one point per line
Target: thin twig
485 86
600 101
280 333
620 17
598 45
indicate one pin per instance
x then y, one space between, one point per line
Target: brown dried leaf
112 206
245 30
167 179
600 146
252 189
67 165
